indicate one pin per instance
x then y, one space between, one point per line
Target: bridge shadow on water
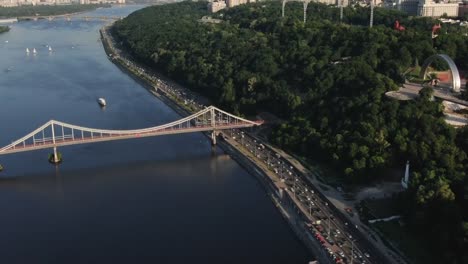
52 184
205 209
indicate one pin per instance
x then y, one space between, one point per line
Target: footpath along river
165 199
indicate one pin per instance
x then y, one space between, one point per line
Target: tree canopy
328 80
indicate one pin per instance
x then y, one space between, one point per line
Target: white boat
27 50
101 102
50 49
34 51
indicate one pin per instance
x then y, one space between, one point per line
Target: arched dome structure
456 82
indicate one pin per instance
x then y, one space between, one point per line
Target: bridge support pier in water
213 138
55 158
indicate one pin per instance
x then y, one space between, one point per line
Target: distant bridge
55 133
72 18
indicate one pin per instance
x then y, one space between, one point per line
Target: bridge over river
72 18
55 133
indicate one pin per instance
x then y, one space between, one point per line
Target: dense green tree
328 81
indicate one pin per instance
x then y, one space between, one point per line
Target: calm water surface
152 200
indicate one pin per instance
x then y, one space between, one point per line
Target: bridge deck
212 119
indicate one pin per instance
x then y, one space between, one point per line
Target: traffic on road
336 236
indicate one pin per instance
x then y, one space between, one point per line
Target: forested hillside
328 80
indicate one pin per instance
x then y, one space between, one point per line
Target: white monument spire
404 181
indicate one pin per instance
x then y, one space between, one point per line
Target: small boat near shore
102 102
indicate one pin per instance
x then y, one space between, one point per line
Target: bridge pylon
213 138
55 158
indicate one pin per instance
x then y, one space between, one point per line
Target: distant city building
12 3
407 6
426 7
214 7
329 2
432 9
8 3
233 3
463 9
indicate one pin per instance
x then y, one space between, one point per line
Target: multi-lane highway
341 239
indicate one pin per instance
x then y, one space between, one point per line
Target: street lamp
328 216
280 170
268 158
352 249
295 180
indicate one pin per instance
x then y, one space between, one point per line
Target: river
167 199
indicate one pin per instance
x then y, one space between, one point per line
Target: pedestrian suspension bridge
55 134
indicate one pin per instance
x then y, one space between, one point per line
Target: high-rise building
8 3
214 7
408 6
232 3
11 3
428 7
433 9
463 9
